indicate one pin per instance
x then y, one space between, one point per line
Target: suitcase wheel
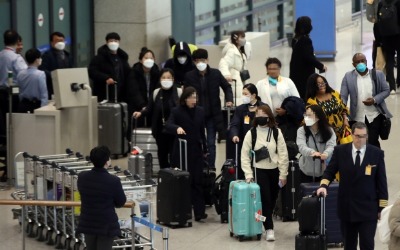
241 238
231 234
190 224
258 236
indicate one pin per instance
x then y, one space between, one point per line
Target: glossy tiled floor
212 234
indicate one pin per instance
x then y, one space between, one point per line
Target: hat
99 156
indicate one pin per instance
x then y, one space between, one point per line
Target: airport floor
211 234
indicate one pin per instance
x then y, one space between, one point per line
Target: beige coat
394 225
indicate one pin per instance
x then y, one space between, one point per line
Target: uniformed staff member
363 189
32 84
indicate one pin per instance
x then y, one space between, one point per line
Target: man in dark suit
100 193
207 82
363 189
367 97
55 58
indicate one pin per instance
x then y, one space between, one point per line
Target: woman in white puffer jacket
232 62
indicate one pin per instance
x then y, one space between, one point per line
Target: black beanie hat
99 156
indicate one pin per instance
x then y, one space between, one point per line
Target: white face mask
59 45
166 84
182 59
309 121
148 63
242 41
113 46
246 99
201 66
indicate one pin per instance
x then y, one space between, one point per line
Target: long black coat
303 63
50 63
102 67
214 80
193 124
137 95
100 193
362 195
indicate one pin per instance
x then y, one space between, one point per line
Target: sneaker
270 235
393 92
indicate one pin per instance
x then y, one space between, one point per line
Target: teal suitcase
244 206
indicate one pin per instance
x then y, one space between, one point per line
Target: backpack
383 225
371 10
388 22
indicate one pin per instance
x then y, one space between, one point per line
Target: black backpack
388 18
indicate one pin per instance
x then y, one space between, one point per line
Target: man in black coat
55 58
207 82
100 193
110 68
363 191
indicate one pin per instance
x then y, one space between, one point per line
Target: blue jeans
211 137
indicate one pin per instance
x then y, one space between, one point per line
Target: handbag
384 129
346 136
244 73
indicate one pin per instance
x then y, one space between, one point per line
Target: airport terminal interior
211 234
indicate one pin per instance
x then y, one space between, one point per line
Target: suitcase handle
184 142
115 92
236 159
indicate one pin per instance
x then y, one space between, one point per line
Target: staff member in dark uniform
161 101
100 193
242 120
363 191
32 84
187 121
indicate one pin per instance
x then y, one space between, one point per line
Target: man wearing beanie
100 193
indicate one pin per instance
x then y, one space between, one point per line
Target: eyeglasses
321 84
361 136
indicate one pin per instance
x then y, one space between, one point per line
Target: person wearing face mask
367 97
181 62
143 79
110 66
207 82
319 92
242 121
234 60
55 58
271 170
275 88
101 192
32 84
161 102
363 191
186 121
303 61
316 140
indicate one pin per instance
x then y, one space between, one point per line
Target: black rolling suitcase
113 122
221 187
333 232
288 198
174 206
311 217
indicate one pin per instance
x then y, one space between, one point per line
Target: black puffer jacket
209 97
100 193
102 67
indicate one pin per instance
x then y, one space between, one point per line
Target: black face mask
262 121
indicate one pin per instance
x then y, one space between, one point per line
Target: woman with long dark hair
303 61
316 140
320 93
272 169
